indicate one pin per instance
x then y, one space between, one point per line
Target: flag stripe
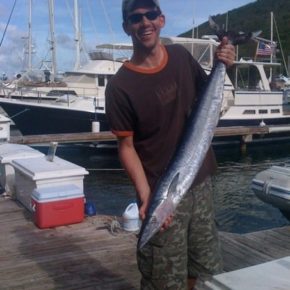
264 49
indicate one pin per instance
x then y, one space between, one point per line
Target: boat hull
37 120
273 186
283 120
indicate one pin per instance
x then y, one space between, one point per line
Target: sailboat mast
77 34
52 41
193 23
271 36
30 36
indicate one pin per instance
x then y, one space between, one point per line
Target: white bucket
131 220
95 127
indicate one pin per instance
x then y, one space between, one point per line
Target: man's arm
133 166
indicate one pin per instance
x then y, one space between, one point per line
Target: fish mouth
148 232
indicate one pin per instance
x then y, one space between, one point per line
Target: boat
40 103
47 84
86 81
75 108
256 100
273 186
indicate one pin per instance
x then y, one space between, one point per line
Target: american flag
264 49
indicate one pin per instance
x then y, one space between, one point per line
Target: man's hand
167 223
142 214
226 52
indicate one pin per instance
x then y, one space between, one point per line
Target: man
147 104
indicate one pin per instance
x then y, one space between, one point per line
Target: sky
101 22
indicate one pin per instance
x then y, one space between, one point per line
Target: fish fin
173 186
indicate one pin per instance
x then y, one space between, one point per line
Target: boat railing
44 93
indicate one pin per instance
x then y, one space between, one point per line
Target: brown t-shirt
152 105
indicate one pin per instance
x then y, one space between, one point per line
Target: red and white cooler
57 205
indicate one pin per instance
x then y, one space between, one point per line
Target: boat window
202 52
249 112
263 111
59 93
101 80
275 111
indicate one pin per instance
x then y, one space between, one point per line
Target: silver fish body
188 157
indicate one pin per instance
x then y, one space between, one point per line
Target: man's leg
204 257
163 261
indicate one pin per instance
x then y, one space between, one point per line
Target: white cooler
9 152
36 173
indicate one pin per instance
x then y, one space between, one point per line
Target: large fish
191 152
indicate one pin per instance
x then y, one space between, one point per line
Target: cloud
12 50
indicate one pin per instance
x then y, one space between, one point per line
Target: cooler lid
4 119
40 168
9 152
67 191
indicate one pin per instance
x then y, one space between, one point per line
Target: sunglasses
137 17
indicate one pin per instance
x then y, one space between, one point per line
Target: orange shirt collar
153 70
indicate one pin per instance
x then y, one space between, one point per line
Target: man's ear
125 28
162 19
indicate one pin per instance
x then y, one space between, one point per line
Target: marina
65 194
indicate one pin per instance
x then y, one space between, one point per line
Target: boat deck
91 256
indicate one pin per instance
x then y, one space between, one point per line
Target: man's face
144 25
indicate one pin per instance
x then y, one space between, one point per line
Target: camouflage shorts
188 248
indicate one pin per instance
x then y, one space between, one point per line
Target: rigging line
71 13
90 9
82 37
19 113
282 53
7 24
109 23
107 18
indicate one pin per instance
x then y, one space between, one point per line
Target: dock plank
88 256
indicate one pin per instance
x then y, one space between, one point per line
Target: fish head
154 222
164 202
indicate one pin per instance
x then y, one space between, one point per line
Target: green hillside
253 17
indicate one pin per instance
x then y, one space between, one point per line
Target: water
237 208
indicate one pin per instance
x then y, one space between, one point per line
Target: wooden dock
245 133
64 138
89 256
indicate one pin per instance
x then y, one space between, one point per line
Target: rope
114 227
7 24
